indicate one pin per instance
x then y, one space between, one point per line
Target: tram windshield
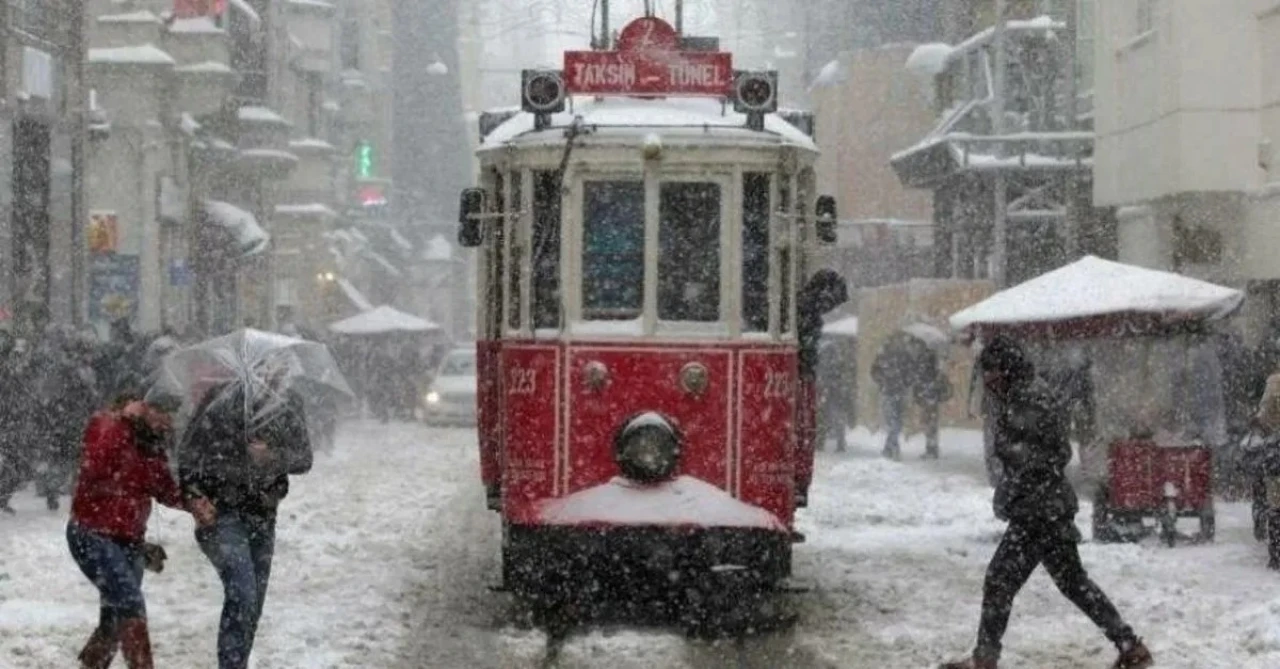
613 254
689 252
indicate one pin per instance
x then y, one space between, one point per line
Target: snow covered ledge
683 502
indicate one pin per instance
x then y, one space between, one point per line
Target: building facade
42 135
1187 113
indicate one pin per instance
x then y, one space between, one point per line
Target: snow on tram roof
631 117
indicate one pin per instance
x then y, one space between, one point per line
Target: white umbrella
383 320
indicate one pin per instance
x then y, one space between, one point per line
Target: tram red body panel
1139 471
645 377
558 436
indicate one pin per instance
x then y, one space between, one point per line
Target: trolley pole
680 17
1077 208
605 41
1000 231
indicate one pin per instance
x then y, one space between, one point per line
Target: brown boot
970 663
99 651
1136 656
135 641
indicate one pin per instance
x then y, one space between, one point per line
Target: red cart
1152 408
1151 480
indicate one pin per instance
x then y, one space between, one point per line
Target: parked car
451 397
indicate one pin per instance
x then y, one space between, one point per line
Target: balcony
198 40
202 88
311 27
121 30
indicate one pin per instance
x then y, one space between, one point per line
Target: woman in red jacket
122 469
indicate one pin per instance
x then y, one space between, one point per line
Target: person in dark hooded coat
1035 498
825 291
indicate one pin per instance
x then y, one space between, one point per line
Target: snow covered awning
1093 297
249 236
844 327
383 320
353 294
148 55
313 210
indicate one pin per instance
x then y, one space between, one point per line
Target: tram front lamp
647 449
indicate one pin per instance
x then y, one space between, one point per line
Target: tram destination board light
542 93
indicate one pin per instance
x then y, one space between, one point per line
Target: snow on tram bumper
653 533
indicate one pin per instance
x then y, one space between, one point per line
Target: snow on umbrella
262 367
931 336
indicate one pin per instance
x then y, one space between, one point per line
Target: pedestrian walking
892 372
932 389
123 468
236 459
1039 504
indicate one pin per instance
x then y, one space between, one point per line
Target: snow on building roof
240 223
383 320
1093 287
200 25
635 119
929 59
312 143
399 239
844 327
207 67
146 54
683 502
189 124
438 248
357 298
831 74
255 114
269 153
310 209
311 4
245 8
143 16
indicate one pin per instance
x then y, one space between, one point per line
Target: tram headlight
433 397
647 449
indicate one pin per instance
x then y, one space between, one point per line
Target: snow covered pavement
386 550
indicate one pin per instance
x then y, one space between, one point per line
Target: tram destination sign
648 61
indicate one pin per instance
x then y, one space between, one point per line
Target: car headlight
433 397
647 449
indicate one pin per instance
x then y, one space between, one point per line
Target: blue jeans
893 409
240 546
115 568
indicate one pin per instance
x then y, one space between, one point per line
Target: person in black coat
233 466
825 291
1035 498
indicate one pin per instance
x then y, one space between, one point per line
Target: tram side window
497 245
546 249
613 250
515 219
689 255
755 252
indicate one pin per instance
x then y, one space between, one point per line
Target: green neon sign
364 160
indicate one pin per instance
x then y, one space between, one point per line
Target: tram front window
613 250
689 259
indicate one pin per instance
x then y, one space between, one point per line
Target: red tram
645 225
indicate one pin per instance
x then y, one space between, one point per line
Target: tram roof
631 118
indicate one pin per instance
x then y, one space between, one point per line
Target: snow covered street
386 551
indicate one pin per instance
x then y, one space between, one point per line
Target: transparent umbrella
260 369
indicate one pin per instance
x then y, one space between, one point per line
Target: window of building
1146 16
613 250
755 252
689 255
349 45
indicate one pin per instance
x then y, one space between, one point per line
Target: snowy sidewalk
386 547
344 555
905 545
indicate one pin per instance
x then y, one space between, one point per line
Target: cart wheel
1104 526
1208 524
1169 524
